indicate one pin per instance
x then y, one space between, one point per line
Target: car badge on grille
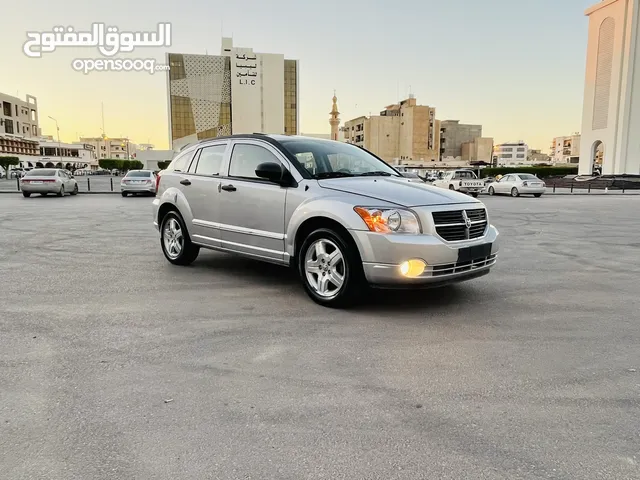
467 220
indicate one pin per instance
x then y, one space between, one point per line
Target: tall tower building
334 121
238 91
611 111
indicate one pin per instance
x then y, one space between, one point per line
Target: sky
515 67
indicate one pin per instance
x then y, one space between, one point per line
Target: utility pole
58 131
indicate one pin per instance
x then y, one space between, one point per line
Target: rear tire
451 187
26 194
61 192
492 191
474 194
124 194
537 195
515 192
331 269
175 241
75 190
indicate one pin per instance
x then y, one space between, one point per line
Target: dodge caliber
339 215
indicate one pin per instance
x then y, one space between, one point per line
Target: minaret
334 121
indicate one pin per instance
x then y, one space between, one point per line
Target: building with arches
611 111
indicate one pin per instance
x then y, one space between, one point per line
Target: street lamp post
58 132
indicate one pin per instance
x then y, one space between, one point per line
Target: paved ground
116 365
105 183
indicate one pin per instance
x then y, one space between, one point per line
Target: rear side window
181 162
246 158
210 160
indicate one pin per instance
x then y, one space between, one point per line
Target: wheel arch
314 223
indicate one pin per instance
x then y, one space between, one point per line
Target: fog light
412 268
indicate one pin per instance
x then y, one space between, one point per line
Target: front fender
175 197
338 208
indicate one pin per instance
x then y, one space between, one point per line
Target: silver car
339 215
516 184
138 181
48 180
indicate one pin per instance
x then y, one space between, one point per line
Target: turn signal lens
412 268
389 220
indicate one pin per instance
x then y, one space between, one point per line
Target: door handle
228 188
186 181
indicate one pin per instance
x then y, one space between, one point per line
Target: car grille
460 267
457 225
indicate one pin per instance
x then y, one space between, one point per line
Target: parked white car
516 184
464 181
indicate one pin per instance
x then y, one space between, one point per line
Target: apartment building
536 157
404 133
566 149
110 147
18 125
478 150
453 135
511 154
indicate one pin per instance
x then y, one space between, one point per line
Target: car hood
396 190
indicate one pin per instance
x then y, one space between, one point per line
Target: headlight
389 220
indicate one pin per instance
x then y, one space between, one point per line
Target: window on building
246 158
521 149
520 155
6 108
8 125
33 115
506 155
17 114
210 160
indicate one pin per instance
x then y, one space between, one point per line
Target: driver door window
246 158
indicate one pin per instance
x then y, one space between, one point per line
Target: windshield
138 173
326 159
41 172
527 176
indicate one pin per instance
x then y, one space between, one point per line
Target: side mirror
271 171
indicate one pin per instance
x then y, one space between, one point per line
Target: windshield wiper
321 175
377 173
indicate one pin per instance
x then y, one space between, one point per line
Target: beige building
404 133
566 149
477 150
107 147
536 157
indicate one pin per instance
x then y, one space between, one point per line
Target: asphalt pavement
115 364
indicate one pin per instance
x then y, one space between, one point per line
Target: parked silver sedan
48 180
516 184
138 181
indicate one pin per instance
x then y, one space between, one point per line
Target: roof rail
260 133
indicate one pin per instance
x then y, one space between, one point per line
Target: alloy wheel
325 268
173 238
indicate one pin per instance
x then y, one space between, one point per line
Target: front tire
492 191
26 194
75 190
537 195
124 194
331 269
451 187
175 241
515 192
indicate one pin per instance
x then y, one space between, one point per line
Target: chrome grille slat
452 225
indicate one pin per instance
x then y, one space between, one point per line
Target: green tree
164 165
6 162
135 165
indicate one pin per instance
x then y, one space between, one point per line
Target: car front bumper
446 262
